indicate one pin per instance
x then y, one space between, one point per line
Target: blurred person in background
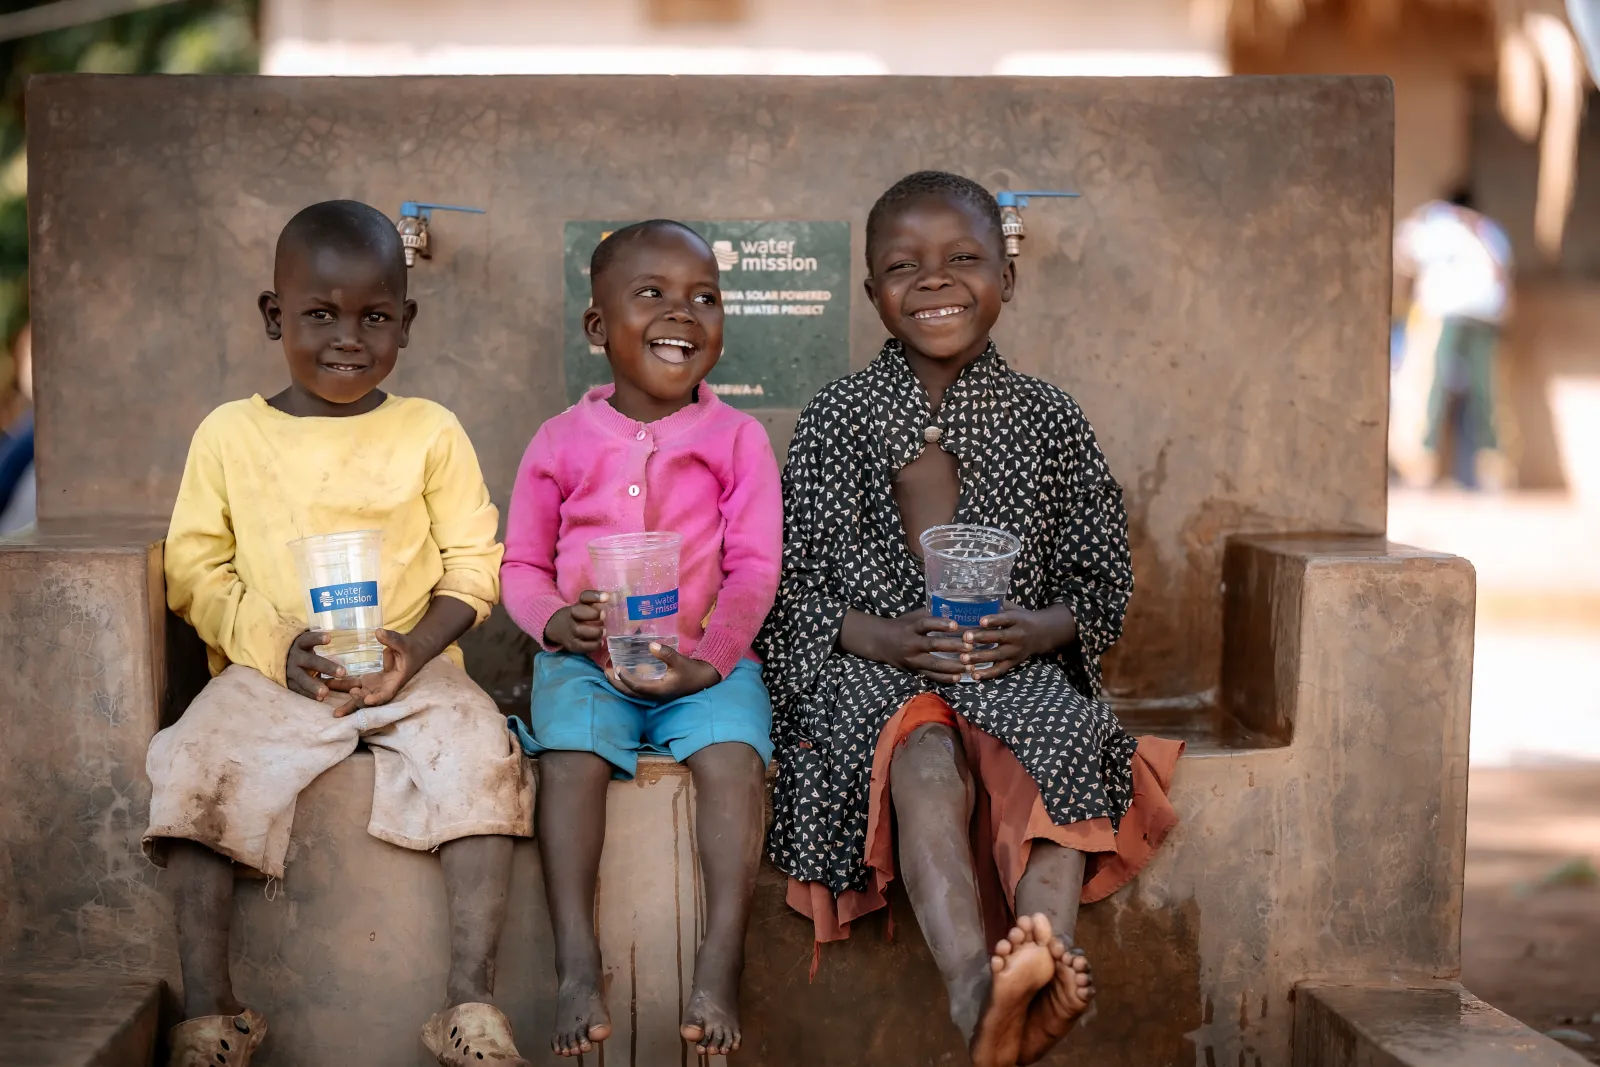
1585 16
1444 421
17 488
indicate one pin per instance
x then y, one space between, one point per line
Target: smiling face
343 317
939 275
658 314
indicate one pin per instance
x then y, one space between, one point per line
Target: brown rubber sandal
217 1040
472 1035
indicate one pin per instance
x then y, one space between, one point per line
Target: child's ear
872 290
408 315
594 327
271 314
1008 280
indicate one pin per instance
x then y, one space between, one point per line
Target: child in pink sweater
655 451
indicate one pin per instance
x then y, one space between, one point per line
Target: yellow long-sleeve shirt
257 479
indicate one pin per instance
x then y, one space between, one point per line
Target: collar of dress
965 413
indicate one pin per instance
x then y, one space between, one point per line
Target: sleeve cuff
278 668
479 605
534 615
722 649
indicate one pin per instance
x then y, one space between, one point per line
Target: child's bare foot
710 1026
711 1020
1059 1005
581 1018
1022 965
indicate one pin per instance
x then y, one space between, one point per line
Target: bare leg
477 885
729 783
203 906
1052 886
572 833
932 792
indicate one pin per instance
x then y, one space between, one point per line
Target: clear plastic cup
640 571
340 574
968 570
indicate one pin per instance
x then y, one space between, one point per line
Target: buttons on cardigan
633 490
639 436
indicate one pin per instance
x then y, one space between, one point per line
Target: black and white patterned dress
1028 464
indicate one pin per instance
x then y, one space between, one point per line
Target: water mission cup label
652 606
349 595
964 612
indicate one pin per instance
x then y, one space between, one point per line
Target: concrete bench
1322 805
87 1020
1438 1025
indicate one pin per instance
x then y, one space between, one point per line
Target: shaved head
347 227
617 240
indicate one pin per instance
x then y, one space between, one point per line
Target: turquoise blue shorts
575 708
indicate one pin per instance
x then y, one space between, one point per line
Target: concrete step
78 1021
1437 1026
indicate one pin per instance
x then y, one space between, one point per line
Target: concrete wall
1217 301
824 37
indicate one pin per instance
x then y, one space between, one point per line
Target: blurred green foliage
191 37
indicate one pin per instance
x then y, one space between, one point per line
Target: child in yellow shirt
333 453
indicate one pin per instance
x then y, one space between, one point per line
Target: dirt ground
1529 948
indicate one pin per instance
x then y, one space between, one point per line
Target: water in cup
340 574
640 572
968 571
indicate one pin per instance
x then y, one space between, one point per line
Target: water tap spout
413 226
1011 205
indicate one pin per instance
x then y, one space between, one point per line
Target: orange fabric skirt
1008 816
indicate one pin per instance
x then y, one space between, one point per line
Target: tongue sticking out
670 353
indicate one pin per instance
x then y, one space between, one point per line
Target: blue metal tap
413 226
1011 205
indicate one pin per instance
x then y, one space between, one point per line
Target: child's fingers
666 654
995 671
593 596
307 686
1002 621
1005 650
352 703
944 643
941 670
588 631
310 640
622 684
582 613
308 661
931 624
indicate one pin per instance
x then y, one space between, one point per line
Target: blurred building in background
1489 95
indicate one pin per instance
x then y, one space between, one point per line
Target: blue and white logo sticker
349 595
965 612
653 606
